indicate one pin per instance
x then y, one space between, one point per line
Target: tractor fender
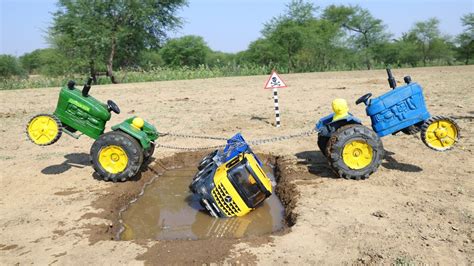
326 126
138 134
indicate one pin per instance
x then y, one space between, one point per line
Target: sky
228 25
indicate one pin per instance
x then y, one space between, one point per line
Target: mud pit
167 210
184 226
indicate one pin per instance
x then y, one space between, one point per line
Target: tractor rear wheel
148 153
440 133
322 144
354 152
116 156
44 129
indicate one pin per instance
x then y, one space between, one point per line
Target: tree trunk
367 58
110 62
289 61
93 71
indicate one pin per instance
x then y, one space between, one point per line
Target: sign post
274 82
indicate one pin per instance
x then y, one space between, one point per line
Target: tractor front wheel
44 129
440 133
354 152
116 156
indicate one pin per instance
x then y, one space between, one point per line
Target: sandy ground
418 207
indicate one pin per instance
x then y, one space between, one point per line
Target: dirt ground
417 208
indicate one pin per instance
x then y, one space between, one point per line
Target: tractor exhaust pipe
87 87
391 80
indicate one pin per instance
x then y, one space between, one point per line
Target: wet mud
167 244
167 210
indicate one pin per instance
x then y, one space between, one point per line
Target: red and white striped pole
274 82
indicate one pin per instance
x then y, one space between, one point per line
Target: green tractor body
117 155
84 114
145 136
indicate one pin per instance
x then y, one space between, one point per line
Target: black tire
31 135
128 144
203 173
453 139
322 144
148 153
346 135
206 160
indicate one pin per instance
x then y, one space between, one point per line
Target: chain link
189 136
282 138
252 142
215 147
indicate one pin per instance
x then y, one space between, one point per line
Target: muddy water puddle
167 210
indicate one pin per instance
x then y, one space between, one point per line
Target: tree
47 61
465 40
9 66
297 11
430 43
263 52
289 36
100 31
189 50
321 46
367 31
286 31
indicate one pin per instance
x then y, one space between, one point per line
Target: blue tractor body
397 109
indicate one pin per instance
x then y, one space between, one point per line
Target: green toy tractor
116 155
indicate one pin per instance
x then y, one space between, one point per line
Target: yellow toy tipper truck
231 182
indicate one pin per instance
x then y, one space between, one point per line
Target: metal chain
189 136
282 138
215 147
252 142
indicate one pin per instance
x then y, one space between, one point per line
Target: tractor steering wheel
113 107
364 98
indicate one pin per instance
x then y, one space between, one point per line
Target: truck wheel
44 129
440 133
116 156
322 144
207 160
354 152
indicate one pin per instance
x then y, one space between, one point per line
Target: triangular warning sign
274 81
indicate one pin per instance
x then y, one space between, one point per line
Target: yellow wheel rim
113 159
441 134
357 154
43 130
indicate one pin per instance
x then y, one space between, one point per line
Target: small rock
454 228
379 214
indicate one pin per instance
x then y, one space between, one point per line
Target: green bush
10 66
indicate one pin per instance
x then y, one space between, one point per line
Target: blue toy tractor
355 151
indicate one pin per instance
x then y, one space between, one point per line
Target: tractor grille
220 193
